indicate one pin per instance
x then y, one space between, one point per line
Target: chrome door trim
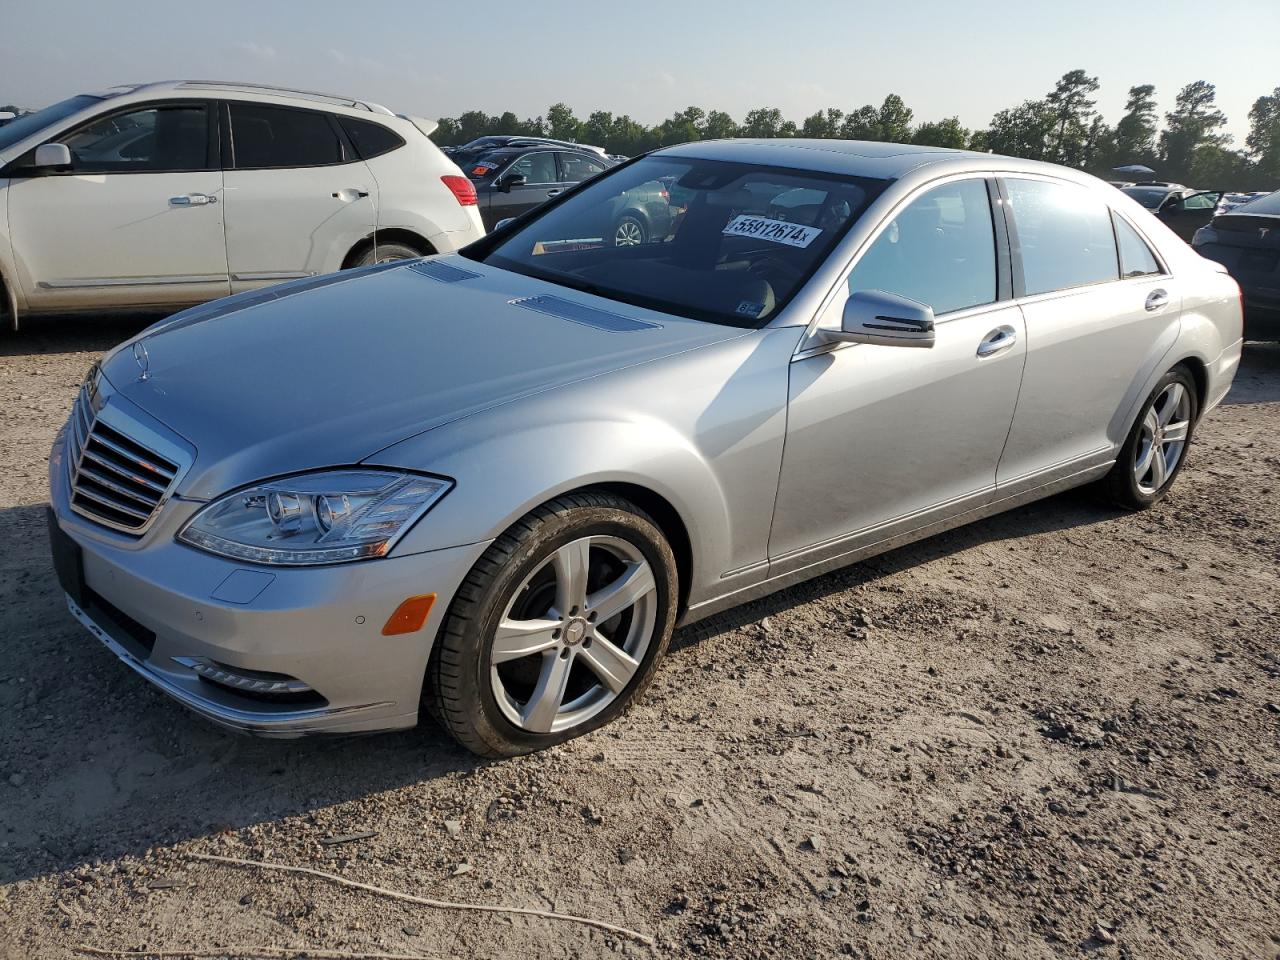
273 275
80 284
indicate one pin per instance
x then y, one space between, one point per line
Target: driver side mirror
511 180
52 156
873 316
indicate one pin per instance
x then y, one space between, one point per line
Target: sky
944 57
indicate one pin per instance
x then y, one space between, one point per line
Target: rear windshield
1149 197
724 242
1267 204
25 126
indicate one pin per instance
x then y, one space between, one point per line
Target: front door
881 439
1184 217
541 182
298 198
136 221
1099 320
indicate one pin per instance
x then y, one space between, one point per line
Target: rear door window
1136 258
574 168
370 139
266 137
1064 235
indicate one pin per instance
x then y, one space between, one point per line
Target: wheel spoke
1143 466
544 703
1159 469
613 665
522 638
629 589
1172 401
572 561
1176 432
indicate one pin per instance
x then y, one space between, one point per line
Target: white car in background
165 195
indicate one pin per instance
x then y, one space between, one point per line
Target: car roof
886 161
281 94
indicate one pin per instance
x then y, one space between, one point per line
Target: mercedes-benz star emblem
144 359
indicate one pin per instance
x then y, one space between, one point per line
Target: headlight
327 517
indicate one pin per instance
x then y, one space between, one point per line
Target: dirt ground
1053 733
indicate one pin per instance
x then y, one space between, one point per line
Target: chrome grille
115 480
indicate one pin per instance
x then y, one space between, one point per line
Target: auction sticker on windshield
777 231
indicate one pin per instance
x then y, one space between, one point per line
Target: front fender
703 430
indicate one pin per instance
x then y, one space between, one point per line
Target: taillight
462 189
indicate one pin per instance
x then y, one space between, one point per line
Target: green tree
942 133
1135 136
1072 106
1263 142
561 123
766 122
685 126
719 126
893 120
825 124
1022 131
861 124
1194 122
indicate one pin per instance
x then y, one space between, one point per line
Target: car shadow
1258 379
72 333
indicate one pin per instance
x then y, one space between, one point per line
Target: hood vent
444 272
581 313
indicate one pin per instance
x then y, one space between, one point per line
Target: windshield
1149 197
33 123
726 242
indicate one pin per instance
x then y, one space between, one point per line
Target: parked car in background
516 177
474 148
529 461
164 195
1246 240
1181 208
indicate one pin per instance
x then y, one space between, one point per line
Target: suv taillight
462 189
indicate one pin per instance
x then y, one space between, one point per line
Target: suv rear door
136 221
298 198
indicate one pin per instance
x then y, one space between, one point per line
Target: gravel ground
1053 733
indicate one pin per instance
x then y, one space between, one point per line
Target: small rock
766 625
626 855
1103 935
16 779
814 843
462 868
409 931
453 828
1273 707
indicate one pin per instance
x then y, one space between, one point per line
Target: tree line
1064 126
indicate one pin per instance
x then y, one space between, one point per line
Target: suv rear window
264 137
370 139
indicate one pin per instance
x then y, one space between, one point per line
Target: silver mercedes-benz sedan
490 484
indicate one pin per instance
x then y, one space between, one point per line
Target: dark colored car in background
1183 210
515 178
1246 241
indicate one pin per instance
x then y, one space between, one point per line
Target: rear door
298 198
541 182
136 221
1094 337
1184 217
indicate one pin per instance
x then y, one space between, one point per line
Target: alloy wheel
1163 438
628 234
574 634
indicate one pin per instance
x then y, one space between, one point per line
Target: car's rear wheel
1156 448
630 232
557 629
385 253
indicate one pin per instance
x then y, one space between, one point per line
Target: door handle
997 341
349 194
1157 299
193 200
552 193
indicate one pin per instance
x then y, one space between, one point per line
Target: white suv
169 194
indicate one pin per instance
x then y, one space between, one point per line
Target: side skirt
834 556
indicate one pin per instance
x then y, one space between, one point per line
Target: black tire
386 252
1121 485
633 229
458 691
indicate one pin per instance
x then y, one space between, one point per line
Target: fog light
253 681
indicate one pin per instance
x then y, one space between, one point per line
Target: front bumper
155 603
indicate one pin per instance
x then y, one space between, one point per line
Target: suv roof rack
301 94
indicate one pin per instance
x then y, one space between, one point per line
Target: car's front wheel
630 232
1156 447
557 629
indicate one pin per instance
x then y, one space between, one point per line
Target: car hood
330 371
